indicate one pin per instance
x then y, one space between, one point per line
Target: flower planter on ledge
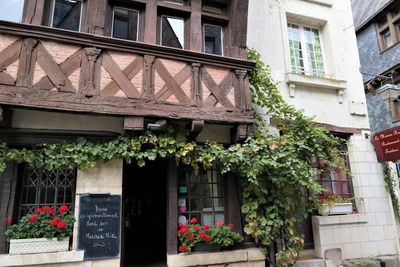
37 245
335 209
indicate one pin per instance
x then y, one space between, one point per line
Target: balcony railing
50 68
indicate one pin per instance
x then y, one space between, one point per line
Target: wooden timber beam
43 99
241 132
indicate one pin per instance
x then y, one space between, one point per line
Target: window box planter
324 209
37 245
202 247
341 209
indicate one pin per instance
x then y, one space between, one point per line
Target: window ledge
39 259
316 82
234 256
339 219
328 3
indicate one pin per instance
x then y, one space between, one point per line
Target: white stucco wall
267 33
372 231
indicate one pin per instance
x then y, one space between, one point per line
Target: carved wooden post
243 91
87 84
96 21
196 86
27 62
148 78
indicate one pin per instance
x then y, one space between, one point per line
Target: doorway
145 212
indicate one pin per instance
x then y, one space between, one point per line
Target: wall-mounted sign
387 145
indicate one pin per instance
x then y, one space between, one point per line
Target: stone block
342 235
352 251
375 233
387 247
369 249
359 234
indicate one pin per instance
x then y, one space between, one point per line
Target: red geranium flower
181 225
193 221
63 208
196 227
55 221
46 209
220 223
38 210
202 234
207 238
190 237
183 248
205 227
183 230
230 225
52 211
32 218
61 225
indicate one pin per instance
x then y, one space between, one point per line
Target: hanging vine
390 185
278 174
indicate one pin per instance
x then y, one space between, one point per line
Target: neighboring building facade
378 34
311 48
102 68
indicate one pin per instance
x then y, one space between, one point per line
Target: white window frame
137 26
161 32
80 17
222 38
307 70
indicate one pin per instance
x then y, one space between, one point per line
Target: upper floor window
67 14
212 39
12 10
125 23
172 31
388 29
305 51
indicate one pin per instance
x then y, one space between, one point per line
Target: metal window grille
43 187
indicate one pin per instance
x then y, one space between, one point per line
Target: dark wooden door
145 214
8 181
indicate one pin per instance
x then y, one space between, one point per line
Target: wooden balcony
48 68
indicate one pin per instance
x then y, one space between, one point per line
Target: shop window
12 10
67 14
200 196
42 187
172 31
305 51
125 24
212 39
337 181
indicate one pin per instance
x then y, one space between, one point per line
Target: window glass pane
172 32
125 24
67 14
205 197
296 54
387 39
11 10
314 53
213 39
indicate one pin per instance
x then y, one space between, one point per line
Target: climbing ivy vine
276 166
390 185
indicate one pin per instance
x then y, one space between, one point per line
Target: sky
11 10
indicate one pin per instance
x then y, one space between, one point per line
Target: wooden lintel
44 99
241 132
134 123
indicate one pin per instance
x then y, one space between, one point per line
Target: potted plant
205 238
47 230
332 204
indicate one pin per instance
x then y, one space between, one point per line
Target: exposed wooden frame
172 208
41 99
389 25
134 123
102 42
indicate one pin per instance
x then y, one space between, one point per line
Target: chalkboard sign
99 226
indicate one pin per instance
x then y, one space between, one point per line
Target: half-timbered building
102 68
